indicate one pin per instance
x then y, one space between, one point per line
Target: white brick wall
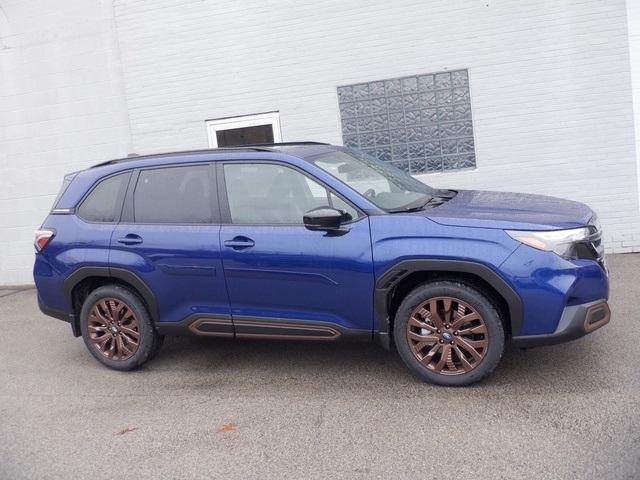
61 109
633 22
550 83
84 81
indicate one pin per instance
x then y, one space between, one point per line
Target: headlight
573 243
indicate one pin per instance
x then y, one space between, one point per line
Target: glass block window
420 123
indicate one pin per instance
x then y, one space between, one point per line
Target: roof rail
254 147
284 144
183 152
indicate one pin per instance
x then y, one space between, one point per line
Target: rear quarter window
104 201
65 184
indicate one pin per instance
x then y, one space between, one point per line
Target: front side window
104 202
388 187
173 195
275 194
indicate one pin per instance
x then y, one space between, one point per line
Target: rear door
169 236
284 280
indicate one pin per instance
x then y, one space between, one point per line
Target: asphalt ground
210 409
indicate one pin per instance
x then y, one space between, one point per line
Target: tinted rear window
173 195
104 202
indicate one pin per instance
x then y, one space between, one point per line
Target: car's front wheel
449 333
117 328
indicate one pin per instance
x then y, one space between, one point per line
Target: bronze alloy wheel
447 335
113 329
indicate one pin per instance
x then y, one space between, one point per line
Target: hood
505 210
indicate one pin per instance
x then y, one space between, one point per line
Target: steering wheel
370 193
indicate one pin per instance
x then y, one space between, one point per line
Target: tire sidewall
147 332
475 299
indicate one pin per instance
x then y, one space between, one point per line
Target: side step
250 328
209 325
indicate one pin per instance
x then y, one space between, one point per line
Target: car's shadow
571 367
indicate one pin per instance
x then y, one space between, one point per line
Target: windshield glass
385 185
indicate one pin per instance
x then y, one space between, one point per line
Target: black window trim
225 211
121 199
127 210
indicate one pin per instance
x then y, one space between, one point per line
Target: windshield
385 185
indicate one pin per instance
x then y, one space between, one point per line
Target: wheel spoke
120 307
430 354
99 328
471 330
477 343
414 322
466 366
106 311
447 310
444 355
117 350
434 315
130 332
127 339
123 347
99 316
112 305
468 347
422 338
100 340
465 319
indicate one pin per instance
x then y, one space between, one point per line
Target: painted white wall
633 25
84 81
61 109
550 83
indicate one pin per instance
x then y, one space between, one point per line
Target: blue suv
314 242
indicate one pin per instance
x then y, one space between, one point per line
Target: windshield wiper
413 206
432 201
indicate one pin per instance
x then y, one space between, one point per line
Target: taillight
43 237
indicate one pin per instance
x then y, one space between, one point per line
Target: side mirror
324 219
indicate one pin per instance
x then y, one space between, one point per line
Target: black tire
148 340
474 298
156 347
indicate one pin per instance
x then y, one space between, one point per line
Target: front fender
404 244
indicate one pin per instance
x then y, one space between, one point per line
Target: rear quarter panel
76 244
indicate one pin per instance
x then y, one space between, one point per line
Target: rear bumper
67 317
576 321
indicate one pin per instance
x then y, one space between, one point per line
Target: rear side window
173 195
104 202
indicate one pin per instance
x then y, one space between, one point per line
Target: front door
284 280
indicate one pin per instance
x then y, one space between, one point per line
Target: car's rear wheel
117 328
449 333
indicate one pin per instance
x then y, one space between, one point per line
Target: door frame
254 120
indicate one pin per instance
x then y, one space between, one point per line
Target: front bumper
576 321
